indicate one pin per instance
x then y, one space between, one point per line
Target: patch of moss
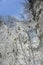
19 28
10 64
15 39
0 55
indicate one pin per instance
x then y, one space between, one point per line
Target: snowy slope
15 47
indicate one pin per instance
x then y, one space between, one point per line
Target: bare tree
34 7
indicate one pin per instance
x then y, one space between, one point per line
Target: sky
10 7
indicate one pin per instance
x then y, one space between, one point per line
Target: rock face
16 46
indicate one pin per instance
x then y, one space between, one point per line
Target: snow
15 45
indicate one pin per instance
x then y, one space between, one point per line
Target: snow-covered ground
16 48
